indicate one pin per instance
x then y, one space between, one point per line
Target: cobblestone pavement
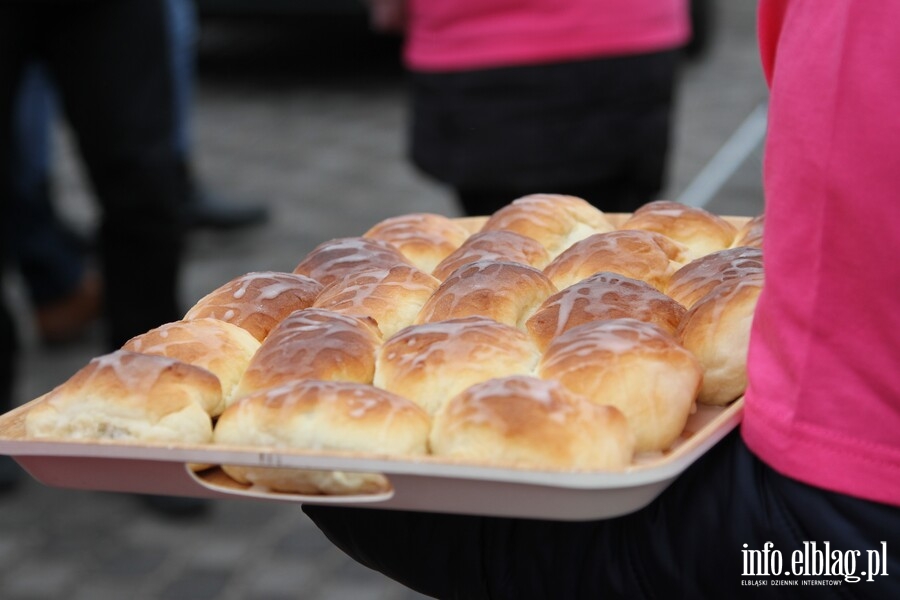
310 121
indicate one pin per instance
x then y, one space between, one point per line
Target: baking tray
424 483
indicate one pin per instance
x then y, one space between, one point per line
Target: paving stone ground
312 124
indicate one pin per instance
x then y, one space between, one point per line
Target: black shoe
205 210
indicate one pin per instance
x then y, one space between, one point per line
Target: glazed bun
526 422
217 346
503 291
717 331
431 363
257 301
337 258
643 255
425 239
554 220
698 229
130 397
751 233
322 416
699 277
632 365
499 245
600 297
314 344
391 296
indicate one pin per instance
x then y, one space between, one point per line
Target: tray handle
216 480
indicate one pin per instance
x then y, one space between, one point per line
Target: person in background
109 61
511 98
205 209
52 258
817 457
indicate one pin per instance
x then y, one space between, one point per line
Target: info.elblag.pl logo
814 564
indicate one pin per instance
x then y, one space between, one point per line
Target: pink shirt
451 35
823 404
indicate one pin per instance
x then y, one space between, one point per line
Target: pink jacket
453 35
823 404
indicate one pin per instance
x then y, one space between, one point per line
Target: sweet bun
131 397
431 363
554 220
214 345
751 233
632 365
425 239
314 344
527 422
599 297
643 255
331 260
323 416
504 291
699 277
257 301
717 331
698 229
505 246
391 296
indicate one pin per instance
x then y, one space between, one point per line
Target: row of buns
547 335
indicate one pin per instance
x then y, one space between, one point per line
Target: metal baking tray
426 483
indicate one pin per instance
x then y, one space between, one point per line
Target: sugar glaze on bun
504 291
215 345
554 220
257 301
132 397
527 422
425 239
632 365
314 344
432 362
599 297
336 258
322 416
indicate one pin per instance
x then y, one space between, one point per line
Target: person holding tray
814 471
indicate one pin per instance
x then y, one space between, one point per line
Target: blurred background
300 108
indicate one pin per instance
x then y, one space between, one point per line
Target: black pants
110 61
691 542
595 128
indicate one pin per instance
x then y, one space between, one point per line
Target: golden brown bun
392 297
522 421
505 246
431 363
331 260
214 345
603 296
554 220
632 365
503 291
425 239
643 255
698 229
323 416
717 331
751 233
314 344
699 277
129 396
257 301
